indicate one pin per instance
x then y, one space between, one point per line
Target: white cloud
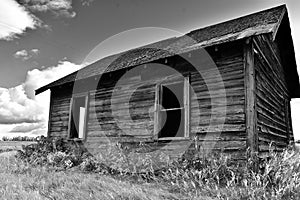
37 78
57 7
16 107
25 55
86 2
25 128
21 54
35 51
21 110
16 16
14 19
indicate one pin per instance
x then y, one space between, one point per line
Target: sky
43 40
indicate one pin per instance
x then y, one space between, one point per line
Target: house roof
266 21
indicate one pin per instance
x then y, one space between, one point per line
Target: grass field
20 181
217 180
13 145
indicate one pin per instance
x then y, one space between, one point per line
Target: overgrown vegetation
193 176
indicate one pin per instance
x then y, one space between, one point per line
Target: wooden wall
138 125
210 131
59 112
272 96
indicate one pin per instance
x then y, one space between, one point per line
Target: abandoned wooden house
243 102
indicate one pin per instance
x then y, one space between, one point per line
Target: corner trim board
250 96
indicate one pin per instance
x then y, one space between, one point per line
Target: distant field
14 145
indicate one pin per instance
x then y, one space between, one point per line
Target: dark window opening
172 122
172 96
78 113
172 111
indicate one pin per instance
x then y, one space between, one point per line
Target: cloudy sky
43 40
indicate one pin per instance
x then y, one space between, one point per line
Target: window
77 119
172 110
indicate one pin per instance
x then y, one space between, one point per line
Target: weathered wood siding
59 116
136 119
139 125
272 96
211 131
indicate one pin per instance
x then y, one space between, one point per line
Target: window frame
186 107
74 96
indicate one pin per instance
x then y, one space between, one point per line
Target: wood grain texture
250 95
59 116
273 99
127 112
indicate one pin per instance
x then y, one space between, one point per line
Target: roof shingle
258 23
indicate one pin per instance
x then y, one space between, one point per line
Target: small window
78 115
172 112
172 96
172 122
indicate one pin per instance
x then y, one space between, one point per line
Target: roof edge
276 28
263 29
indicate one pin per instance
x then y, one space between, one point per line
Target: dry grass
21 181
195 178
13 145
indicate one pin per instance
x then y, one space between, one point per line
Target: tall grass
19 180
47 173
